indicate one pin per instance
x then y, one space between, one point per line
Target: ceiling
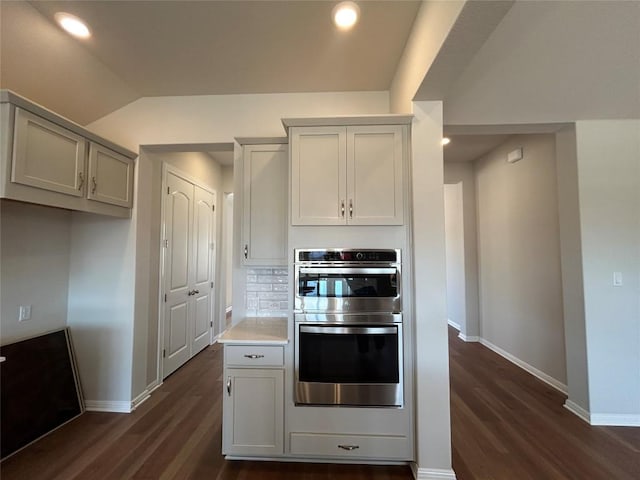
182 47
229 47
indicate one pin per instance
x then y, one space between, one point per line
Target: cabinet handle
81 178
229 386
350 208
253 356
193 292
246 251
94 185
349 447
342 208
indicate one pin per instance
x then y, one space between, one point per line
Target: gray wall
572 280
519 254
464 174
608 155
454 248
34 268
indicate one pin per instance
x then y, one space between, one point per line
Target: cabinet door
318 175
264 231
111 177
47 156
374 175
253 420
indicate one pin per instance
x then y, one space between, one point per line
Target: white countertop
257 331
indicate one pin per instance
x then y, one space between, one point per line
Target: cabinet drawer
347 446
254 355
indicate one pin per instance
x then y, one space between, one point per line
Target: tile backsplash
267 292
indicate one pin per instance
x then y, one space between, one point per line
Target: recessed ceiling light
73 25
446 141
345 15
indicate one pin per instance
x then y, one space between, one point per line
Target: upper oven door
350 289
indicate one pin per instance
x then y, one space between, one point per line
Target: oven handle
350 270
348 330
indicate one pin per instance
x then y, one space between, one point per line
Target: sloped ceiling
157 48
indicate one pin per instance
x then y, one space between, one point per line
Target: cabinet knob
342 208
246 251
350 208
229 385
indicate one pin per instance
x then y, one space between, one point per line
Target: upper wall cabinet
265 168
348 174
49 160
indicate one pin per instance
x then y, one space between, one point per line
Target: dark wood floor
505 425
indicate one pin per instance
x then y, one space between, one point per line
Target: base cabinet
253 405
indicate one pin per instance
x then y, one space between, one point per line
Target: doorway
189 232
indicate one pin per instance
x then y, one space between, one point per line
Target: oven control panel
347 255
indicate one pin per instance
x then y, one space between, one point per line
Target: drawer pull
253 356
229 386
349 447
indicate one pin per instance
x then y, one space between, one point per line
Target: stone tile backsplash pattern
267 292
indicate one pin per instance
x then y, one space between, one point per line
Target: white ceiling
228 47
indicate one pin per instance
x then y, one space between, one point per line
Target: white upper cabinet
318 175
49 160
265 173
110 177
347 175
48 156
374 175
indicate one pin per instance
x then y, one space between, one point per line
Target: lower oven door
356 365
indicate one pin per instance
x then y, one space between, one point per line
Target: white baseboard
468 338
140 399
615 419
578 411
432 473
107 406
462 336
525 366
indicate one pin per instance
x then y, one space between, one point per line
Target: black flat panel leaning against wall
38 389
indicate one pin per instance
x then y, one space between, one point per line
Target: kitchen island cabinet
253 396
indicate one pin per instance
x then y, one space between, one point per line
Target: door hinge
168 191
166 243
165 297
213 208
211 323
211 284
164 353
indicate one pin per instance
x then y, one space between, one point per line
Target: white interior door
204 266
178 273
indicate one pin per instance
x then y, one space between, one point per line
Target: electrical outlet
24 313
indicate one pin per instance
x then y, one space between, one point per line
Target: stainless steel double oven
348 327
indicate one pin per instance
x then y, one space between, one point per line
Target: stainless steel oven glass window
348 332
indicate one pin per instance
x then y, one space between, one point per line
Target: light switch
24 313
617 279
